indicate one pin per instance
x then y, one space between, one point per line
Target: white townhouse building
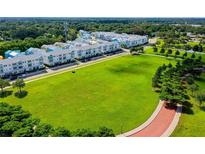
86 51
50 47
58 57
62 45
61 53
123 39
96 49
85 34
109 47
21 64
77 50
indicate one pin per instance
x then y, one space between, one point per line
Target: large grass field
193 123
116 94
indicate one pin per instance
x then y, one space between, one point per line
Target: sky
102 8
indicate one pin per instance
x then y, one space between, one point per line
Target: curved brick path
161 123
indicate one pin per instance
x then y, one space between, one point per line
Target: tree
187 47
23 132
84 133
9 128
169 51
172 91
105 132
177 53
193 88
60 132
195 48
31 122
42 130
123 46
137 50
199 58
156 80
193 56
200 98
3 84
200 49
72 34
166 54
19 83
184 55
190 80
169 65
162 51
155 49
14 121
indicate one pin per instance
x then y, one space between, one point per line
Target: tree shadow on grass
21 94
187 104
201 79
202 108
187 108
6 93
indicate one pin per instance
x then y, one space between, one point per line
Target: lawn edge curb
174 122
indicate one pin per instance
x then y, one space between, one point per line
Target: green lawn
149 50
193 124
116 94
193 43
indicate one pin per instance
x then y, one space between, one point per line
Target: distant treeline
108 20
27 43
22 33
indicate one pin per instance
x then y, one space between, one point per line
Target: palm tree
19 83
3 84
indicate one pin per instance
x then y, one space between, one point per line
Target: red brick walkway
159 125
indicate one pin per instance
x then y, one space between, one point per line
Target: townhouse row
88 45
61 56
123 39
51 55
26 62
